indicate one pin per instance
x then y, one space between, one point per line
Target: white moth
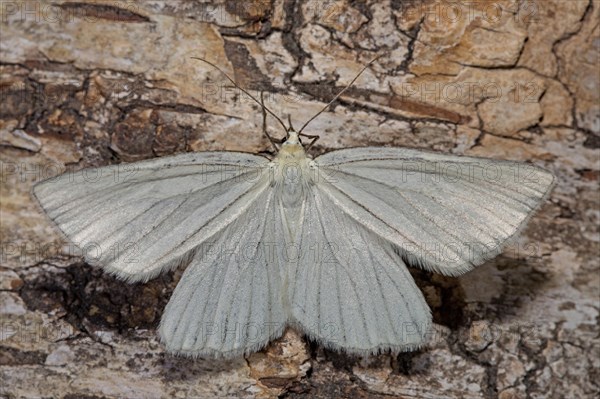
320 244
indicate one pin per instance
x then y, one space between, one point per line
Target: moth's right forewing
138 219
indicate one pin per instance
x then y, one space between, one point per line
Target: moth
321 244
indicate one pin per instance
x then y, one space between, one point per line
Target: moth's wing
229 299
445 213
348 289
136 220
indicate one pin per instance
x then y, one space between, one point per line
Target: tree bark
95 83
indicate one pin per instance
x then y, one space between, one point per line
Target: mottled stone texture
102 82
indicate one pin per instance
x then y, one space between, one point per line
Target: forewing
229 300
136 220
348 289
445 213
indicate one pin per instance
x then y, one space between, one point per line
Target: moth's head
292 146
292 138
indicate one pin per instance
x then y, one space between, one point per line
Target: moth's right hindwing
229 300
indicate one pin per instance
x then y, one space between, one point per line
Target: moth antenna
243 90
273 141
340 93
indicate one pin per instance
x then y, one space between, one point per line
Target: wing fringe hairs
232 354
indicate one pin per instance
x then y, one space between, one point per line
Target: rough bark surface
93 83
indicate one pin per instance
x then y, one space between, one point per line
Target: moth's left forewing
443 212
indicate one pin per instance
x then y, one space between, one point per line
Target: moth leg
312 137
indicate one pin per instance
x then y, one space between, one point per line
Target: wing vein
347 273
381 291
499 216
181 243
